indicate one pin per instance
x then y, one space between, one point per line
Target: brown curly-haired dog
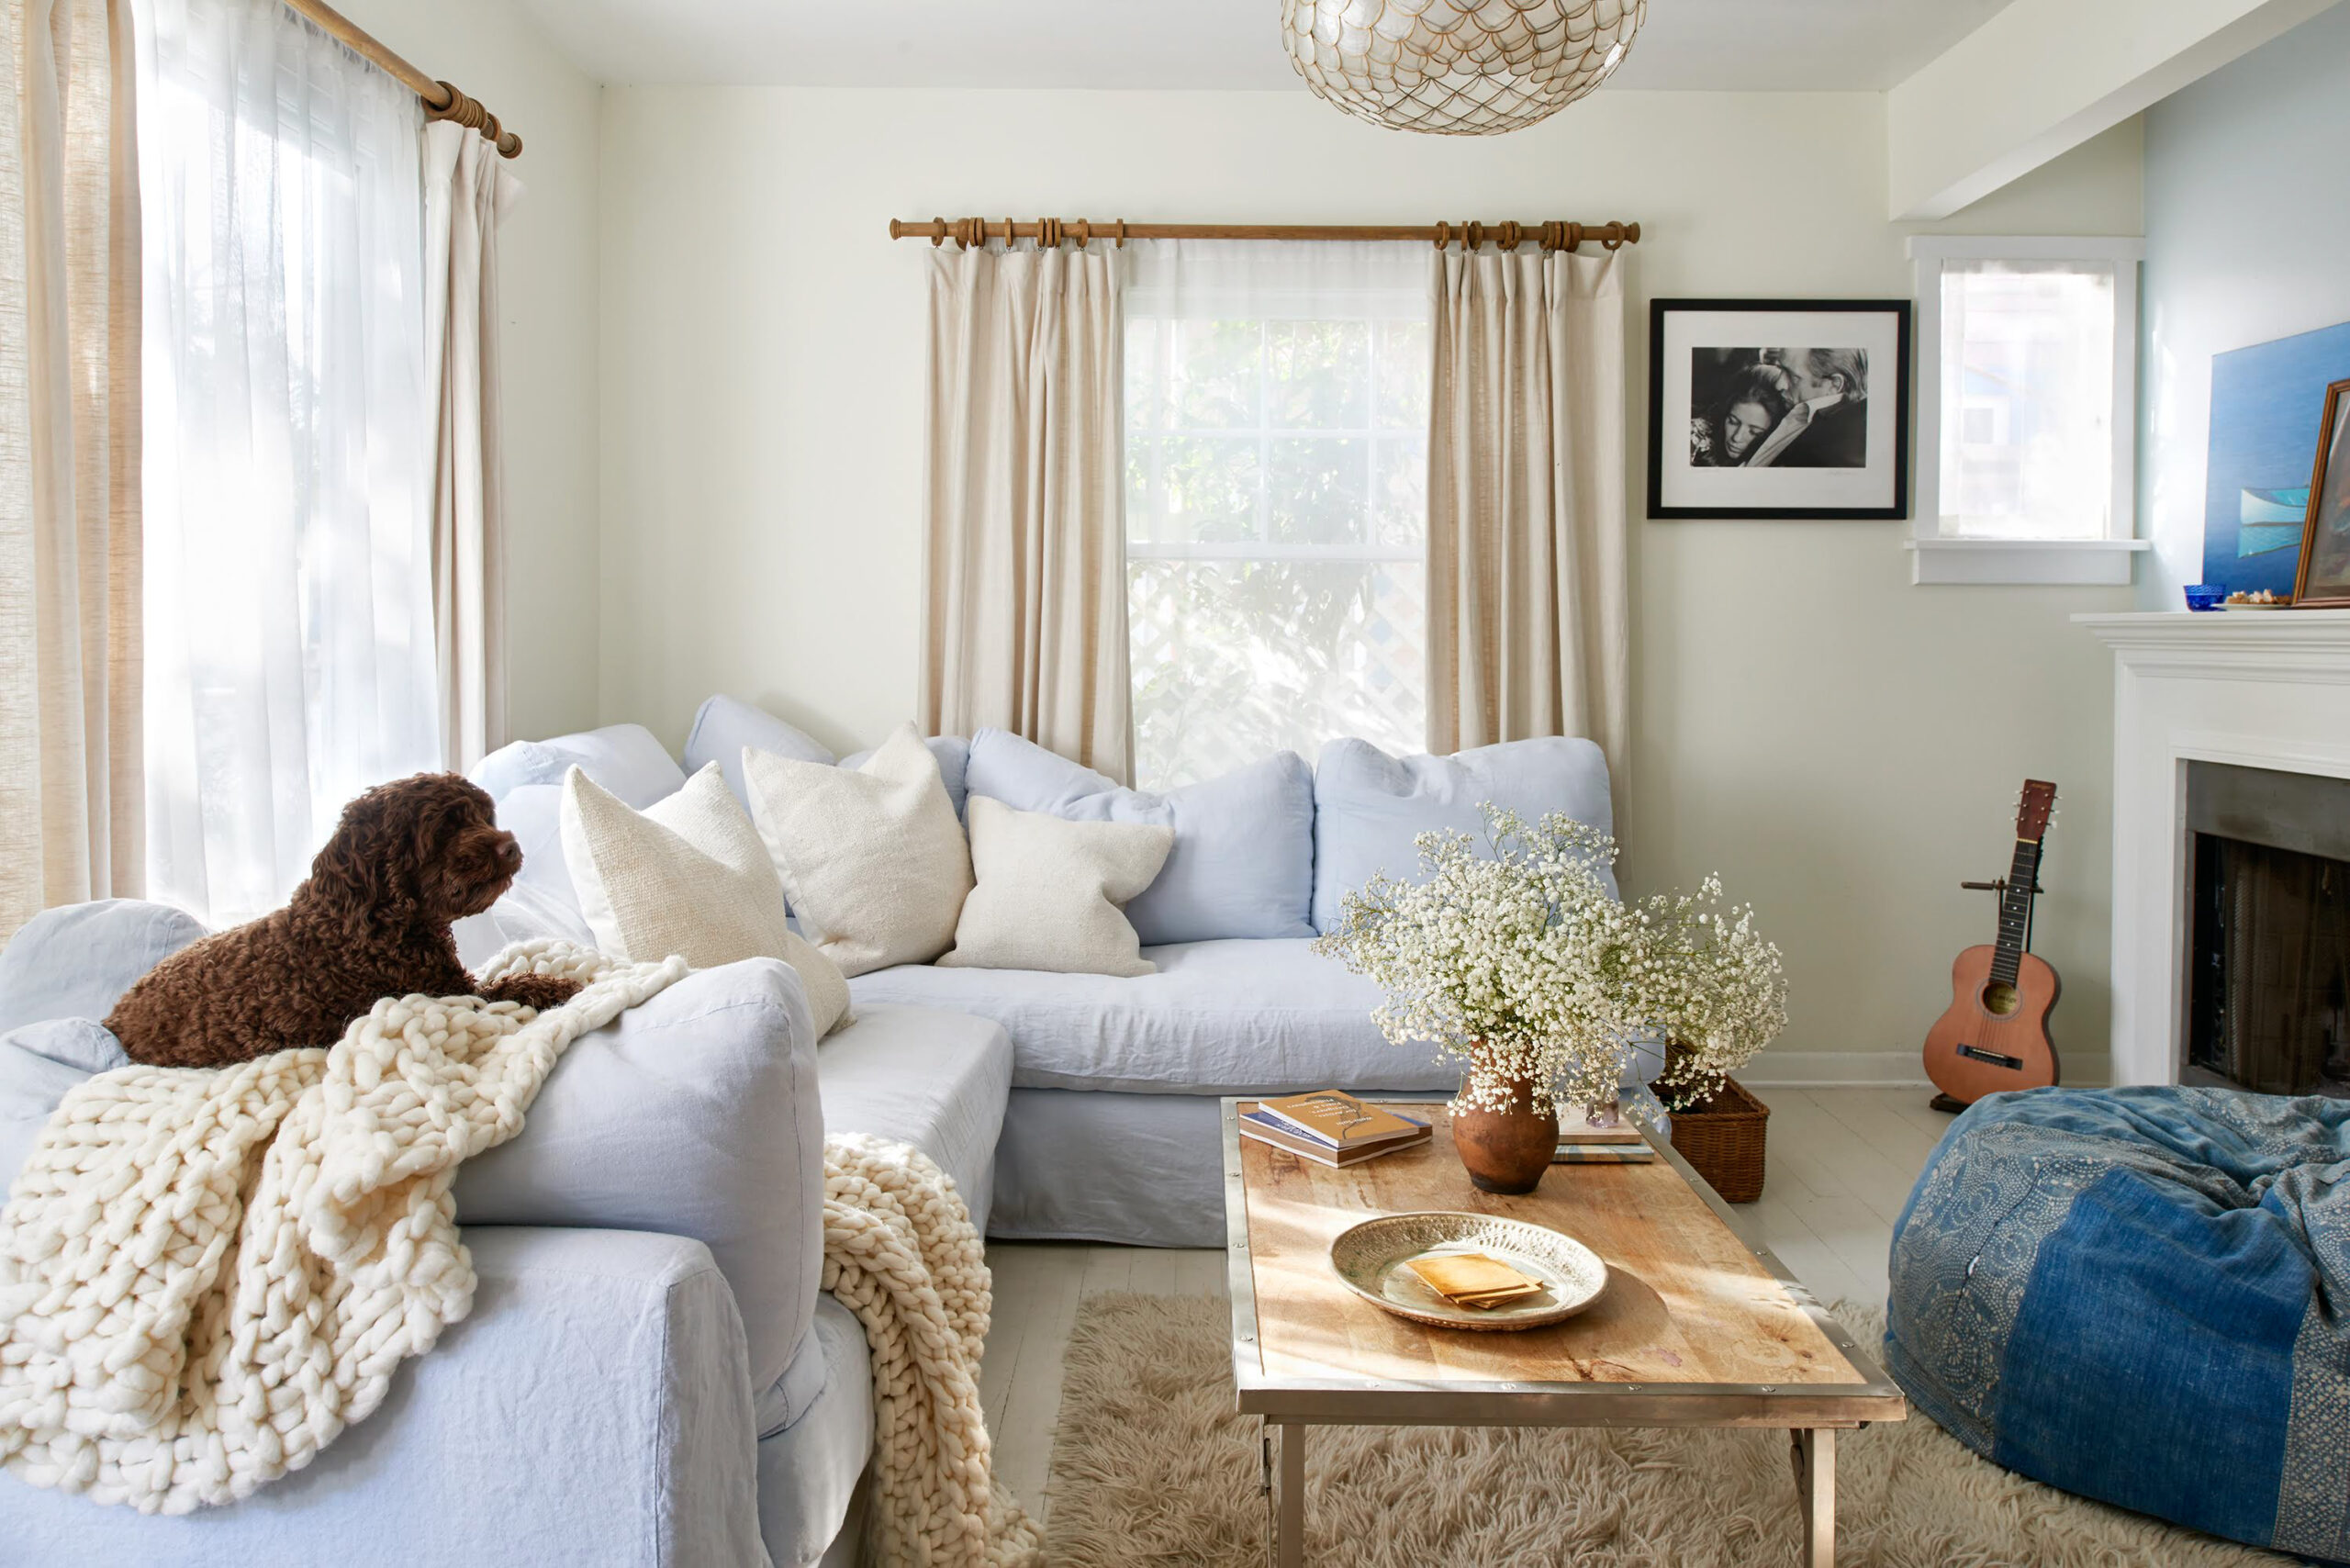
371 921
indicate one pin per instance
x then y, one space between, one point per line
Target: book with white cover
1574 1127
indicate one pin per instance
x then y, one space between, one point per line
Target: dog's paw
538 993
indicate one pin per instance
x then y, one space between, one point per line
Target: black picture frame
1897 314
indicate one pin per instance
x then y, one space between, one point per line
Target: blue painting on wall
2266 401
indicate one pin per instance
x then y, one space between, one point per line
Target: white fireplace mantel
2258 689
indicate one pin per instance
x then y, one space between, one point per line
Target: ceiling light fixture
1457 67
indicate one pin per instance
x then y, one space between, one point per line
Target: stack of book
1579 1143
1331 1128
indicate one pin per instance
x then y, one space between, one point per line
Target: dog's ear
366 876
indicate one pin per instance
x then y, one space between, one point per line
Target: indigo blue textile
2139 1295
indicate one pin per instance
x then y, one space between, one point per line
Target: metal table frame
1811 1414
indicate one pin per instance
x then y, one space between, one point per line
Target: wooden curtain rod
441 99
1051 232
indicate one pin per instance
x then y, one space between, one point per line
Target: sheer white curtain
289 633
1276 437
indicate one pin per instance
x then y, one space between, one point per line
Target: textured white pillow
687 875
1050 892
871 856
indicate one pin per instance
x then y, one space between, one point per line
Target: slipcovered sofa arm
593 1407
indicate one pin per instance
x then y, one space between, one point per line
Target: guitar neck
2015 911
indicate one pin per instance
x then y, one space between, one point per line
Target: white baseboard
1878 1069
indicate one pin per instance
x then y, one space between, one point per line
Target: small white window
2027 353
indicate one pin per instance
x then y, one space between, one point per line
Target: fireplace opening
2268 930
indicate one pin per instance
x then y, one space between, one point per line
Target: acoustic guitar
1995 1035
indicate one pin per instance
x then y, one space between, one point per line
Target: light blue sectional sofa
649 1374
652 1374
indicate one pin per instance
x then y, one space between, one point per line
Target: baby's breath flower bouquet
1697 971
1522 963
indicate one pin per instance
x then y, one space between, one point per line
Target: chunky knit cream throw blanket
207 1273
901 1253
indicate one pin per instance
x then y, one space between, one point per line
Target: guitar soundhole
1999 999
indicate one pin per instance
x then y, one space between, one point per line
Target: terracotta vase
1508 1151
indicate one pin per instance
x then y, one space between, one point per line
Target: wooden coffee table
1695 1329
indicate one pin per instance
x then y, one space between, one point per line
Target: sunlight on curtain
290 656
1277 418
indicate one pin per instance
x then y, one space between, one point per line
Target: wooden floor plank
1109 1269
1154 1271
1024 1443
1903 1144
1840 1163
1201 1273
1013 1272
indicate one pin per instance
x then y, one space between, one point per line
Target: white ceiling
1687 44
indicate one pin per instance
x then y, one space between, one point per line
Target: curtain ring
1510 234
1122 233
1084 228
1443 234
1049 233
1472 235
937 232
461 109
1613 240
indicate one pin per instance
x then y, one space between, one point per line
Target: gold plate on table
1372 1260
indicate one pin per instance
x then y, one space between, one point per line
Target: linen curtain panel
70 803
1529 613
467 191
290 653
1023 566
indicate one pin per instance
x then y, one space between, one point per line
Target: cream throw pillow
1050 892
871 856
687 875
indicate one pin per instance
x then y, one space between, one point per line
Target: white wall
1843 746
548 257
2247 238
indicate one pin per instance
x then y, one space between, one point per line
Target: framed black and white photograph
1779 409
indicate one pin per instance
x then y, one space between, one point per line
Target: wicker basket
1723 1142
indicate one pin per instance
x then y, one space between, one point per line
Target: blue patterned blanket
2142 1295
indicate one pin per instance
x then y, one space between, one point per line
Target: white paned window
2027 392
1276 452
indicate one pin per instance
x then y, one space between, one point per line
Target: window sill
2023 561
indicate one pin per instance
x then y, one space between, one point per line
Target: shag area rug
1150 1465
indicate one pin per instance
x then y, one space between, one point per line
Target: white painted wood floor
1840 1163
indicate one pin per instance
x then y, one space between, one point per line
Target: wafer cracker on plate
1455 1275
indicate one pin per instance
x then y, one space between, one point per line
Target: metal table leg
1815 1462
1289 1516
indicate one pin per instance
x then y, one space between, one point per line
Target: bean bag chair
2142 1295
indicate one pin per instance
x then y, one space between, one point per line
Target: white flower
1521 963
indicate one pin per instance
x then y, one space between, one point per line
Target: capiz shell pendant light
1458 67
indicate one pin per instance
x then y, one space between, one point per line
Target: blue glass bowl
2204 596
